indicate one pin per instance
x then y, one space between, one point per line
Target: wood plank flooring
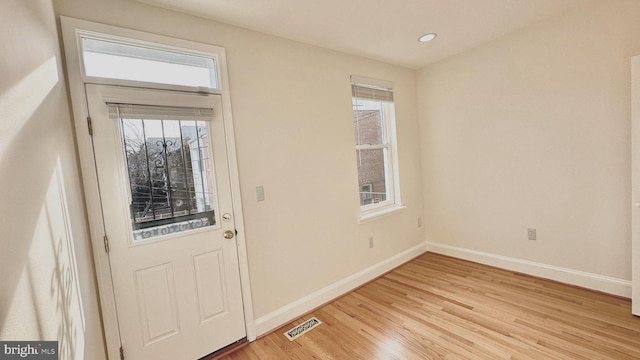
437 307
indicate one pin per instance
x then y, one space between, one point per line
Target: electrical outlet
370 242
260 193
531 234
420 222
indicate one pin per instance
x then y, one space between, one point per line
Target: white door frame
71 31
635 185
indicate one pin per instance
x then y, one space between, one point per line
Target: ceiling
384 30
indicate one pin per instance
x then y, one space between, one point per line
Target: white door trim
635 185
70 30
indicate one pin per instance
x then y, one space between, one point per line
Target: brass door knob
228 234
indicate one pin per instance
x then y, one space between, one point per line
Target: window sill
380 213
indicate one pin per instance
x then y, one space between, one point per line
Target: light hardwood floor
437 307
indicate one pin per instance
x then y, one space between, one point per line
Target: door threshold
226 350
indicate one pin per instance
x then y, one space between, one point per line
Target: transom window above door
119 59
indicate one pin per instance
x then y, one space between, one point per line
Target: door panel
157 303
163 177
212 297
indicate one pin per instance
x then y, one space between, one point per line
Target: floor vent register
302 328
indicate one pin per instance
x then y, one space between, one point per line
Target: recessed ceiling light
427 37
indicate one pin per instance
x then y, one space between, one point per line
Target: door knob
228 234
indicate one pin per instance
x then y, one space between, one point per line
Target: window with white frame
109 57
374 126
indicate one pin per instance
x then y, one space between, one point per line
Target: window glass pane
372 176
368 121
374 123
114 60
170 175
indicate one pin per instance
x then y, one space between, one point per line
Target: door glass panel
170 176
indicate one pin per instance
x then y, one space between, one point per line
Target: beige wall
46 273
294 131
533 131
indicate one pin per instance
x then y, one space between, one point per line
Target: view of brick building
371 164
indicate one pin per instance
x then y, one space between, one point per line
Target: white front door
165 189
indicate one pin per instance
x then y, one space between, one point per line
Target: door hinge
106 243
90 125
121 353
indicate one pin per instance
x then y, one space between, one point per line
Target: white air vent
302 328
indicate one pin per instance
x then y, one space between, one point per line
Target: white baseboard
285 314
587 280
